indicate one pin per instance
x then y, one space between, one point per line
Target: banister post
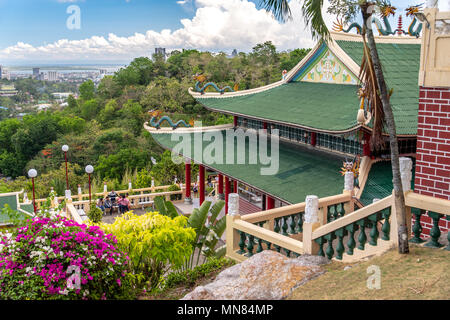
406 177
232 238
310 224
349 184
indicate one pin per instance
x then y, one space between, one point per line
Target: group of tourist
113 200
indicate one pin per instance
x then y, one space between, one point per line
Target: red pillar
201 189
313 139
265 125
235 186
270 204
227 192
235 122
220 187
366 146
187 170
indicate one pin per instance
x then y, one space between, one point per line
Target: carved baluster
268 244
330 251
340 233
276 225
362 238
284 227
259 248
341 210
320 241
300 222
292 224
330 213
296 255
351 244
336 212
417 228
386 228
277 248
374 230
242 242
288 253
435 233
250 247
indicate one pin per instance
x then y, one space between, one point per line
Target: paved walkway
111 218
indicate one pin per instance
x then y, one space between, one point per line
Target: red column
270 204
235 121
187 170
366 146
201 189
227 192
220 191
235 186
265 125
313 139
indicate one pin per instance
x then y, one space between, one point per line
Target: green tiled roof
400 64
330 107
379 182
302 171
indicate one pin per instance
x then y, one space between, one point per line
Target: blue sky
122 29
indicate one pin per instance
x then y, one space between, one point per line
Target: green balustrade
340 234
296 255
417 228
341 210
276 227
284 227
374 218
250 246
330 251
386 228
300 222
277 248
320 241
435 233
268 244
351 243
362 238
288 253
243 237
259 248
292 225
330 213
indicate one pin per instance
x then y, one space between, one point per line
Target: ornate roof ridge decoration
378 39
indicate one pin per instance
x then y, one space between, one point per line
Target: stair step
369 250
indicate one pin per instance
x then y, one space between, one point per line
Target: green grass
420 275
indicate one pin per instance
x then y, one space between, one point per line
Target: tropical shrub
164 207
174 187
57 258
95 214
154 242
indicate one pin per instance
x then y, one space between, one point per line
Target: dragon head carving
412 10
338 25
386 9
199 77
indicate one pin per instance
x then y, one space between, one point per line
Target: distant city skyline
116 31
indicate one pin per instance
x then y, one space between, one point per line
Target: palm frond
312 13
279 8
372 94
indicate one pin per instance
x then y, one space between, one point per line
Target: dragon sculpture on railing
386 10
157 123
202 78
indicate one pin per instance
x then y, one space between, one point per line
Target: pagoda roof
302 170
330 106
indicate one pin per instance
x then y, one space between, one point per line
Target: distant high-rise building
52 76
1 72
161 51
36 74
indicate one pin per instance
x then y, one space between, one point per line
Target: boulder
267 275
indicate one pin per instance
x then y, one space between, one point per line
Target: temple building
322 122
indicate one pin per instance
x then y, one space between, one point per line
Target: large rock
268 275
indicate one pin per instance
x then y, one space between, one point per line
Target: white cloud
217 25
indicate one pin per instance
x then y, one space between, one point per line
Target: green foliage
87 90
208 230
174 187
190 277
165 169
95 214
115 165
154 242
165 207
143 179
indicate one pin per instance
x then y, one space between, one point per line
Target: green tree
87 90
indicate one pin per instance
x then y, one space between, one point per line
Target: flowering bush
154 242
57 258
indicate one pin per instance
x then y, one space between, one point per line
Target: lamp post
65 148
32 173
89 169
